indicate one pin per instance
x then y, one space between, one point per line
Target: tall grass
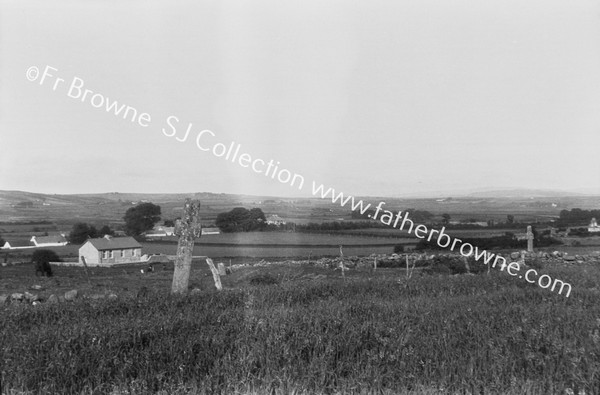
446 334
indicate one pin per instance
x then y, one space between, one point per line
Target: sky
372 98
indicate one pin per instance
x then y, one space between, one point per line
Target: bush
42 259
398 248
241 219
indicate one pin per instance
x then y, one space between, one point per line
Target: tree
510 219
241 220
445 219
81 232
105 230
141 218
398 248
169 223
257 214
42 259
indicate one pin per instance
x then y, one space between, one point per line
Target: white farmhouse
49 241
108 250
275 220
593 228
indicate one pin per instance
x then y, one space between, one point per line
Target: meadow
251 244
302 329
293 328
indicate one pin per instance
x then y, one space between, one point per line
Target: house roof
155 233
211 230
19 243
50 239
114 243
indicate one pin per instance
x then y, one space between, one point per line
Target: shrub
398 248
42 259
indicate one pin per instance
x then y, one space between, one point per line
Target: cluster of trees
82 231
137 219
577 216
141 218
241 219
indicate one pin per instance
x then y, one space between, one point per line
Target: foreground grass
476 334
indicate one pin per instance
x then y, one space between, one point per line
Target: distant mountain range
518 193
9 198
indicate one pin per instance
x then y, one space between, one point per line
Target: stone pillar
529 239
188 229
215 273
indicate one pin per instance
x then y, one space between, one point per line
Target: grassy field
309 331
252 244
287 238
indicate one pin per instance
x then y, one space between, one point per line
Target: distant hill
523 193
110 207
517 193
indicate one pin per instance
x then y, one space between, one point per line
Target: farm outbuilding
211 231
17 245
108 250
49 241
275 220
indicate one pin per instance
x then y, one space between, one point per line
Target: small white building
17 245
593 228
160 231
211 231
49 241
108 250
275 220
169 230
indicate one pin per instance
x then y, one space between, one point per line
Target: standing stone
71 295
221 267
188 228
529 239
341 264
522 259
85 268
215 273
466 262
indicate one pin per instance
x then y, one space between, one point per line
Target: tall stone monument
188 229
529 239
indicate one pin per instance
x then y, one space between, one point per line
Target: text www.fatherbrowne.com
403 222
207 141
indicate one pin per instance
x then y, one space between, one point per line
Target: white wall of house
91 254
94 257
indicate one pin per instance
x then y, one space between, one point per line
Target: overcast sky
379 98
